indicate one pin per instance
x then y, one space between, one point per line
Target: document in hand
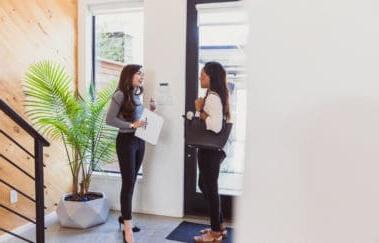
153 125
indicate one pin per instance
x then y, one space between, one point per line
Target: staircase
39 143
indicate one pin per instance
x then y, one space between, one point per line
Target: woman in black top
125 112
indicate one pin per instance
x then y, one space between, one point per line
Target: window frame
86 74
194 203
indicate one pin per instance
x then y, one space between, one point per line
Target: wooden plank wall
32 30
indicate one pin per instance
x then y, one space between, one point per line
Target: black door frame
194 203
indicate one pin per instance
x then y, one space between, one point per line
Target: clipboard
153 126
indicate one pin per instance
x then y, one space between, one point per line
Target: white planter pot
83 215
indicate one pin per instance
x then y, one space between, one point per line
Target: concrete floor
154 230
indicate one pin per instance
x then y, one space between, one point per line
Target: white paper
150 132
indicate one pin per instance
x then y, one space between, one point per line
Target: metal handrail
15 235
15 142
19 191
18 214
39 143
17 167
18 144
22 123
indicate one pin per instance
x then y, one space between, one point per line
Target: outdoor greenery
111 46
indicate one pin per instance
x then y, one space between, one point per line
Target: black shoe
135 229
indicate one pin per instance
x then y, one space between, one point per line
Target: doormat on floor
187 230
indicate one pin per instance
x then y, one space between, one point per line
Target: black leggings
209 168
130 151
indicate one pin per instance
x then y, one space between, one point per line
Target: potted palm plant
61 113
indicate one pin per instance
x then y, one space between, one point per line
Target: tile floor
154 230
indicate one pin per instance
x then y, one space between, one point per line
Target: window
117 41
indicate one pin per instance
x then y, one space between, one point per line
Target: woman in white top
213 109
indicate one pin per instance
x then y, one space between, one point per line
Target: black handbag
199 137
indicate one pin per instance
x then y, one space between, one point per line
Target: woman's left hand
203 115
199 104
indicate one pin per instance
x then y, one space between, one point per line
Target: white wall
161 190
312 173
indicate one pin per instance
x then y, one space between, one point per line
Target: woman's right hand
199 104
137 124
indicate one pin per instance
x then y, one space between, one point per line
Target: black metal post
40 213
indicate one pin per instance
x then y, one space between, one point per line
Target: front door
217 31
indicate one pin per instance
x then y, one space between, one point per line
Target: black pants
130 151
209 168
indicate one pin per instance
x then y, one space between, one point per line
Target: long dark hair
217 76
125 85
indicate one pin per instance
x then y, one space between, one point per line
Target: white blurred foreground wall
312 170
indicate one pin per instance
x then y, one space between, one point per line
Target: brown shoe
224 231
211 236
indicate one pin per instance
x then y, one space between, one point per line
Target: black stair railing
39 143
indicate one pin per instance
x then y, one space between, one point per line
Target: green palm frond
102 137
57 112
49 94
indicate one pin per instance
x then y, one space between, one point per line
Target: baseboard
28 229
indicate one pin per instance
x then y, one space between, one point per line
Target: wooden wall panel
31 31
